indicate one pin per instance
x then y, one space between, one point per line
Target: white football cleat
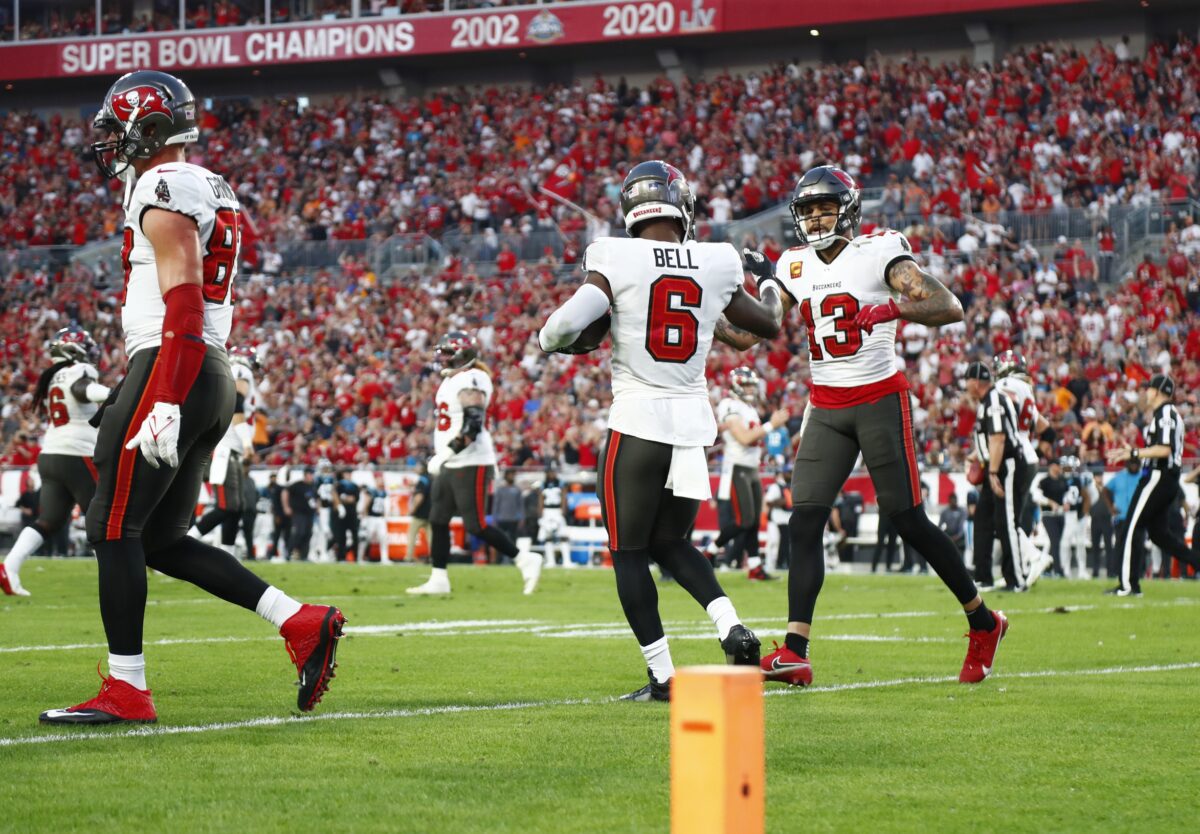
10 583
529 564
1039 564
435 585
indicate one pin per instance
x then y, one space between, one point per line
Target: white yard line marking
453 709
680 629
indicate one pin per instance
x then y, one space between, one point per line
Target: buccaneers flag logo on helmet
143 100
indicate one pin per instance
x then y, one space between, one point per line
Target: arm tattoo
926 299
733 335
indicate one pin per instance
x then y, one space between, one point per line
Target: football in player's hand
974 472
591 337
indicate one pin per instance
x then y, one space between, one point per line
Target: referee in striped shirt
1162 457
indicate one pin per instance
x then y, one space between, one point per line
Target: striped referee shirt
996 414
1165 429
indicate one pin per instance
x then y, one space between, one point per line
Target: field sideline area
492 712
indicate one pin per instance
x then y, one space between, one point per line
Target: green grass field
492 712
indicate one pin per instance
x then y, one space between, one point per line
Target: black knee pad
807 524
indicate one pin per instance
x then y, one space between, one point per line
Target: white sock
440 575
130 668
658 658
276 607
28 542
723 616
753 562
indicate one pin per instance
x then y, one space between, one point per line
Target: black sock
122 568
638 594
727 535
796 644
689 567
939 551
211 569
981 618
497 538
439 545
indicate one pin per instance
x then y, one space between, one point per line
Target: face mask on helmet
826 184
454 352
143 112
743 382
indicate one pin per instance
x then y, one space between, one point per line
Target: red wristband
182 352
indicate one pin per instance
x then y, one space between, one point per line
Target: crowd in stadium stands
77 18
347 376
1049 129
346 353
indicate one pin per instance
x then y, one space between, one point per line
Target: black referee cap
1163 383
980 371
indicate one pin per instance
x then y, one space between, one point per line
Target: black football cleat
741 647
653 691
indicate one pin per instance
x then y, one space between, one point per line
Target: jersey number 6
670 326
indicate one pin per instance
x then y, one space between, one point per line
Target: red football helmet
455 351
73 344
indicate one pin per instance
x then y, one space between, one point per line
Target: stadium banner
508 28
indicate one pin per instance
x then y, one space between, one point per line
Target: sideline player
851 290
739 492
70 391
1013 380
1148 509
373 513
175 403
666 294
463 462
552 524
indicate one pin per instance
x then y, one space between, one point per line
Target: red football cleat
311 636
981 653
4 583
785 666
118 702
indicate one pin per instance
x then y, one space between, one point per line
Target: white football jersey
829 297
1021 394
206 198
231 440
68 432
481 452
735 453
667 298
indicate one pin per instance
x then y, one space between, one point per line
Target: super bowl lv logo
700 18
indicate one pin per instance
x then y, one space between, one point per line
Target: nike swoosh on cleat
776 666
63 713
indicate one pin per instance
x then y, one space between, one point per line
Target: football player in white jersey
463 464
1013 380
666 294
851 290
552 523
175 402
225 473
739 493
71 392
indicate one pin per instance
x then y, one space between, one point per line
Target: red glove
874 314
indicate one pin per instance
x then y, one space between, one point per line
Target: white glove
159 436
435 462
